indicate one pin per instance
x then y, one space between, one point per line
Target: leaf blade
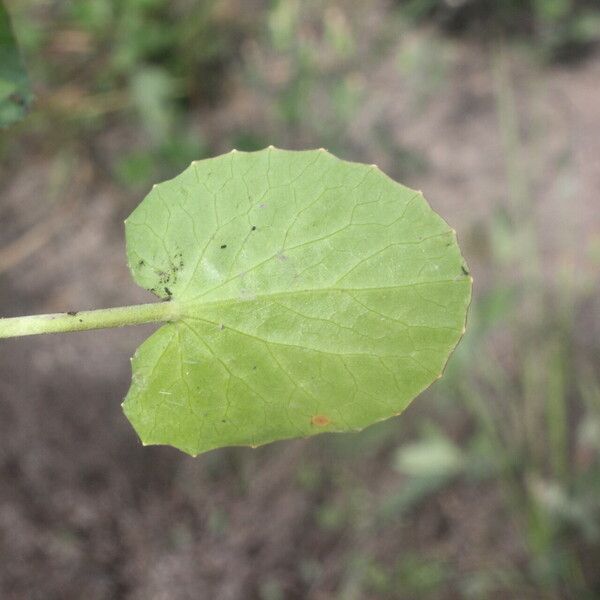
315 295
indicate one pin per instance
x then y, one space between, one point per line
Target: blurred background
488 486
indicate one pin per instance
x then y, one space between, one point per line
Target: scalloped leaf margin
312 295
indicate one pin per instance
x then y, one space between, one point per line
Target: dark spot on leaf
254 368
223 246
465 272
223 421
141 263
221 327
72 313
320 420
177 262
81 320
163 277
253 227
168 292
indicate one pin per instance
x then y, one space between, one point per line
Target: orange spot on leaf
320 420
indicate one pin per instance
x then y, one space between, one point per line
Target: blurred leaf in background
15 93
152 93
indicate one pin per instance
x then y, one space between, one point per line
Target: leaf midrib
251 298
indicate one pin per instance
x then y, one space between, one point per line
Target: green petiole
121 316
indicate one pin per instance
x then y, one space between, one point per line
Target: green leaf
15 94
312 294
435 457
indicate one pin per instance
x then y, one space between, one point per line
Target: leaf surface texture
313 294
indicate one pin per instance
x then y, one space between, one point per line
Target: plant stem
89 319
